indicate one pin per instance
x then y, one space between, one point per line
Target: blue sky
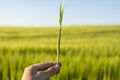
46 12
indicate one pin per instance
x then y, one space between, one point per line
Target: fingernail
57 67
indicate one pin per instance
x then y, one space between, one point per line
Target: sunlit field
87 53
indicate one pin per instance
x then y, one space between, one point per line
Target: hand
41 71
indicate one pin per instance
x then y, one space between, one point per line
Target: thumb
52 71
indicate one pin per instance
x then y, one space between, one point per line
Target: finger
44 66
52 71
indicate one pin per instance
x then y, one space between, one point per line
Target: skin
41 71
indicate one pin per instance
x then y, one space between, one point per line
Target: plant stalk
59 41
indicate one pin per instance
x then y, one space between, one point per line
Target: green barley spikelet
61 13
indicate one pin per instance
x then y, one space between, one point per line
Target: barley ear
61 13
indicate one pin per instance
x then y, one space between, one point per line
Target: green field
87 53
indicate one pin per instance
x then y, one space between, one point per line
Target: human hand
41 71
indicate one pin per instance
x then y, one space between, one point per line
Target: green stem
59 40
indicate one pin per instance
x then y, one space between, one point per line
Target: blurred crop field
87 53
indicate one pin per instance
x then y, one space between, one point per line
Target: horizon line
63 25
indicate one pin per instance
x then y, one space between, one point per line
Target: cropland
87 52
